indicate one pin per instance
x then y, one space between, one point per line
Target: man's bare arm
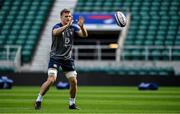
83 32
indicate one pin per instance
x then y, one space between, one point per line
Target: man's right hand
61 29
70 23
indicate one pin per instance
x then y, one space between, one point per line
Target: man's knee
73 80
52 78
71 74
52 75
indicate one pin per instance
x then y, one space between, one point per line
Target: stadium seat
97 6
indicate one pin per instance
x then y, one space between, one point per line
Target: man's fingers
81 18
81 21
70 22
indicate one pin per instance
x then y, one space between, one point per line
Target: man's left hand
81 21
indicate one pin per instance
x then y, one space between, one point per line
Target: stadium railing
141 53
10 57
140 60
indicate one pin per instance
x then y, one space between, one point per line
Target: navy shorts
66 65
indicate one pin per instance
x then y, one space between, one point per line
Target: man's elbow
86 35
83 35
55 33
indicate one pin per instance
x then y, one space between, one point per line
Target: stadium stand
154 24
21 22
102 6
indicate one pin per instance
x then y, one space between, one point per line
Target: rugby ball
120 19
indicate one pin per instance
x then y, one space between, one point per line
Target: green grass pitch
93 100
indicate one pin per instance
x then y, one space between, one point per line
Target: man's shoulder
57 25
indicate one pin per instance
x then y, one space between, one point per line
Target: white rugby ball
120 19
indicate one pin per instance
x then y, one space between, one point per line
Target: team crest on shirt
54 65
71 32
67 41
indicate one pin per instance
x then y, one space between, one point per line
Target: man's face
66 18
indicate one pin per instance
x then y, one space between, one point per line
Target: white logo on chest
67 41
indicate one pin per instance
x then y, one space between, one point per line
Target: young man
60 55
